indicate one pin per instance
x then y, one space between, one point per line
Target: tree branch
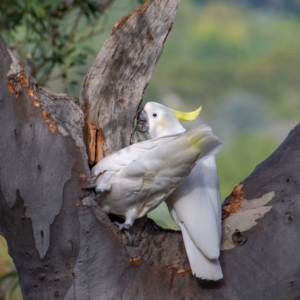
65 247
114 86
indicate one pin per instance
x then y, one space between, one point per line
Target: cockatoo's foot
129 220
90 187
123 225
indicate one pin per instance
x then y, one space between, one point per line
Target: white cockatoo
195 204
135 180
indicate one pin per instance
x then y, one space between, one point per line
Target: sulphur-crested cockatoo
195 204
135 180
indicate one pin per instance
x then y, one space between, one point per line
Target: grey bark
65 247
121 72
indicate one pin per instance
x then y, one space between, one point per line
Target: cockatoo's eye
154 115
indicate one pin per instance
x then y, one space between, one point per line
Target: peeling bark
65 247
42 170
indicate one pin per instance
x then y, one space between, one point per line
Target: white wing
141 176
125 156
195 206
210 179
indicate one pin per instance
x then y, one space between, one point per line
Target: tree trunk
65 247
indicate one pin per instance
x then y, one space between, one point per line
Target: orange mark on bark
122 101
100 142
123 21
77 203
90 132
24 79
235 203
119 24
10 87
15 84
36 100
135 261
94 141
82 176
150 37
52 125
183 271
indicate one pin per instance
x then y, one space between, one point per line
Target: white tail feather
202 267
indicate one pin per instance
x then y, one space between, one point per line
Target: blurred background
239 59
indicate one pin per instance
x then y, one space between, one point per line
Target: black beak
142 121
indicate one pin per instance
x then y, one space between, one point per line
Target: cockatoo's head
159 120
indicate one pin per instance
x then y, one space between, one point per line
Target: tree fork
65 247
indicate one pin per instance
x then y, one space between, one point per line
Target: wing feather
196 202
125 156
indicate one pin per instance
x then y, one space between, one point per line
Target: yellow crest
187 116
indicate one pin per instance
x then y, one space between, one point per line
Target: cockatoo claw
126 226
122 225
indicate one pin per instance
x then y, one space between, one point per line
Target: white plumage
136 179
195 204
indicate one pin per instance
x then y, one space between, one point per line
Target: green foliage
9 283
50 36
287 6
218 48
